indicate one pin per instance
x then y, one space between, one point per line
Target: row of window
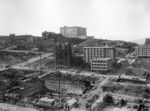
142 55
100 68
98 64
98 61
91 57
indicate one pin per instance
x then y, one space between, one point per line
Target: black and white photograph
74 55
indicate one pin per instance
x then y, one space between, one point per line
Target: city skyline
106 19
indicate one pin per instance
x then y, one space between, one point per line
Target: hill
139 41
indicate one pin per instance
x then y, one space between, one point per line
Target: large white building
73 32
143 51
101 64
98 52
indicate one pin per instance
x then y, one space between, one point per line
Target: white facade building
143 51
98 52
101 64
73 32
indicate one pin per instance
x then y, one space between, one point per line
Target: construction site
51 77
29 79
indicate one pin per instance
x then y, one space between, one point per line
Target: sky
106 19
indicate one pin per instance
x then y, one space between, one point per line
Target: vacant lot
9 58
142 63
127 89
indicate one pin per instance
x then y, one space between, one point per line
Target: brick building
98 52
63 55
73 32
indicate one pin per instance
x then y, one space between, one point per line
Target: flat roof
73 27
46 99
71 102
101 58
144 45
100 47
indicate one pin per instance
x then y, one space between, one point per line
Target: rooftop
102 59
46 99
72 27
71 102
100 47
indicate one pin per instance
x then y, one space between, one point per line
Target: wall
73 31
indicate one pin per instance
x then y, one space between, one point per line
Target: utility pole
40 64
59 85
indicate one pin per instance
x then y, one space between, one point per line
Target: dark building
46 34
53 36
147 41
63 55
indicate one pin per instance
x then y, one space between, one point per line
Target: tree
128 72
117 65
76 104
135 65
145 73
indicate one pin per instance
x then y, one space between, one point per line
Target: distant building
20 39
147 41
143 51
63 55
73 32
90 37
46 34
53 36
12 35
98 52
102 64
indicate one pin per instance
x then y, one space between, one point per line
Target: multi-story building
63 55
98 52
102 64
143 51
73 32
90 37
147 41
54 37
46 34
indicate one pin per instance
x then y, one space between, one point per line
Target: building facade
90 37
147 41
101 64
73 32
47 34
143 51
54 37
98 52
63 55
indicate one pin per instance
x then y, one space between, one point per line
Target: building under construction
63 55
